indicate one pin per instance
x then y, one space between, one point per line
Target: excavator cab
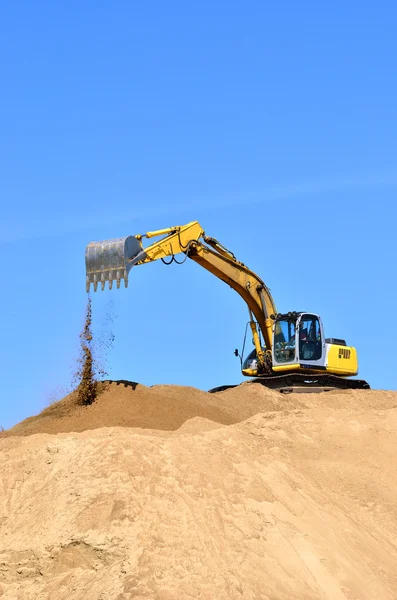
298 342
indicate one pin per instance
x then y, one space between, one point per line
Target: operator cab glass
298 338
310 342
251 361
284 340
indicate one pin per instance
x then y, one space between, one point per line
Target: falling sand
86 377
169 493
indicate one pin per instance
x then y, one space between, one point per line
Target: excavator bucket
111 260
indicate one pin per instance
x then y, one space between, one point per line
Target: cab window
284 341
251 361
310 343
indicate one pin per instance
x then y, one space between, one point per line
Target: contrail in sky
12 230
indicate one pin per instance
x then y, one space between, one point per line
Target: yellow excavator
290 352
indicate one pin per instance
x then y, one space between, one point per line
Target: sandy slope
243 494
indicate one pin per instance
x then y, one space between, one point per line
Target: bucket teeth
110 260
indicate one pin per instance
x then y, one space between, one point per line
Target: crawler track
300 383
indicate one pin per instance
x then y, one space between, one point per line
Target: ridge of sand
243 494
163 407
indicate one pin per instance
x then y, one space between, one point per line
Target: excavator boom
114 259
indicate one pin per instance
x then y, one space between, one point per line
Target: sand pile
164 407
173 493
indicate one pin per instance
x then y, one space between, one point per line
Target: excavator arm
113 260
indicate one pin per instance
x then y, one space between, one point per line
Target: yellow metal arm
112 260
246 283
215 258
177 240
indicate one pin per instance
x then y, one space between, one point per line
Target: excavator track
300 383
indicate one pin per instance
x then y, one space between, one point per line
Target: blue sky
275 127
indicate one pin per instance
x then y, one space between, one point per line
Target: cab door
311 342
284 352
